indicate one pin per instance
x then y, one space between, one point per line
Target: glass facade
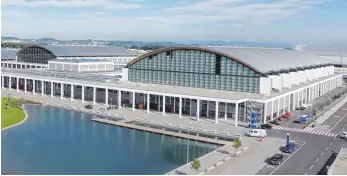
35 55
195 68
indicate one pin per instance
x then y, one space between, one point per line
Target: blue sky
294 21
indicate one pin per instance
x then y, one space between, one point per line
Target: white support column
52 88
2 82
83 94
208 108
226 111
119 99
9 83
133 101
158 103
278 107
148 102
94 95
302 96
61 90
197 110
174 105
106 96
164 105
190 106
17 84
272 110
34 86
42 88
72 92
216 115
25 85
236 114
284 103
265 113
180 107
294 104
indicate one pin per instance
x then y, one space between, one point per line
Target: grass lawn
13 114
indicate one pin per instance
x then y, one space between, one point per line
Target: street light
188 148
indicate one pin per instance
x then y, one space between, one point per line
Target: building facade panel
35 54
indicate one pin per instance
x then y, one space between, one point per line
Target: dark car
89 106
266 126
277 159
290 147
275 122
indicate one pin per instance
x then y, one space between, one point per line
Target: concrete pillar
302 97
278 107
72 91
164 105
148 102
42 88
180 107
133 101
265 113
25 85
83 94
158 103
52 88
174 105
9 83
225 111
197 110
61 90
2 82
216 115
106 96
272 110
94 95
119 98
208 109
284 103
17 84
294 102
236 114
190 106
34 86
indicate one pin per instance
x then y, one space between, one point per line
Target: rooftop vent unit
276 90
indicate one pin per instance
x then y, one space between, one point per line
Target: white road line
322 154
311 167
326 148
306 173
334 139
317 159
287 159
338 122
330 143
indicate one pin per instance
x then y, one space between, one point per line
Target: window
218 62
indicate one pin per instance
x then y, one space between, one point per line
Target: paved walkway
341 165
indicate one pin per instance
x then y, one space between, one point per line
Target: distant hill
9 38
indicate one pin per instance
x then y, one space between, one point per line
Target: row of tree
148 47
13 45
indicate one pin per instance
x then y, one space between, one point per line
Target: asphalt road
311 157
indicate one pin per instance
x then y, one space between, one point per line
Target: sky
293 21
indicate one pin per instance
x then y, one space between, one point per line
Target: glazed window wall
195 69
35 55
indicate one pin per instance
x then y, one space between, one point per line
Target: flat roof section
8 53
177 90
80 60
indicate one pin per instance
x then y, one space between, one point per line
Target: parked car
275 122
266 126
304 106
256 133
290 147
343 135
89 106
277 159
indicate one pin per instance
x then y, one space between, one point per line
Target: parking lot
268 169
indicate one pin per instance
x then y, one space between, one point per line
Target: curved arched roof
73 51
257 59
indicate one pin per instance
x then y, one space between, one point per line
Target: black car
266 126
275 122
89 106
277 159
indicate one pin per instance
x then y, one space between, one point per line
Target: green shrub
196 163
237 143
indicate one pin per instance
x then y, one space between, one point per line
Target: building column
83 93
52 88
9 83
2 82
106 96
158 103
278 107
17 84
42 87
94 95
190 106
216 115
272 110
294 101
25 85
133 101
197 110
236 114
164 105
284 103
61 90
148 102
119 98
174 105
72 91
226 111
265 113
34 86
302 97
208 109
180 107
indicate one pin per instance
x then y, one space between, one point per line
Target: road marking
322 154
317 159
337 116
311 167
287 159
338 122
330 143
326 148
306 173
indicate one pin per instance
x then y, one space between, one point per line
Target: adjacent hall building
218 83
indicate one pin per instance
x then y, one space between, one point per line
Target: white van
256 133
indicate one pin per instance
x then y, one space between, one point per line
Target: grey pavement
341 165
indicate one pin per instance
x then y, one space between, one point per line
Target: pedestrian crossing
309 131
322 128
